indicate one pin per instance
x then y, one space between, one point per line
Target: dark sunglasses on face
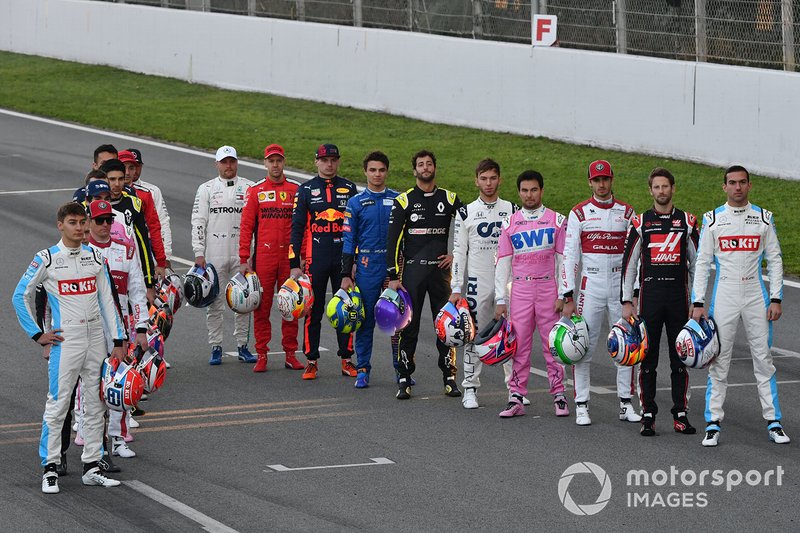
104 220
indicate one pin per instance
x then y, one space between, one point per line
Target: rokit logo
665 247
72 287
740 243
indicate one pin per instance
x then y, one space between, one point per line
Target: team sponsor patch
283 195
603 242
665 247
740 243
262 196
315 192
343 190
388 201
74 287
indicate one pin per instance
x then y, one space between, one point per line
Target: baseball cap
600 168
137 154
327 150
96 188
274 149
100 208
226 151
79 195
126 156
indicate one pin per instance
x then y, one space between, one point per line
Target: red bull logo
330 215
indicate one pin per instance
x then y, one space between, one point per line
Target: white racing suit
596 239
79 293
129 282
736 240
477 230
216 217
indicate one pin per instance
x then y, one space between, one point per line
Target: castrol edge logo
740 243
70 287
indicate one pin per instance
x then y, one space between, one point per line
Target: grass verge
206 117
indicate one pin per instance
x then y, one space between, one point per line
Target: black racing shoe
107 465
648 425
681 424
136 411
451 389
61 469
404 389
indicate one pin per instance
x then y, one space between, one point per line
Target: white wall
710 113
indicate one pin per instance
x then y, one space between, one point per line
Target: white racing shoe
94 477
50 482
470 400
627 413
712 435
777 435
120 448
582 415
133 423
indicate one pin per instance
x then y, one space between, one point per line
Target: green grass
206 117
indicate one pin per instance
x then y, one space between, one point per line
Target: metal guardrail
756 33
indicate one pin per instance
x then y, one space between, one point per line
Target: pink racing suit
529 255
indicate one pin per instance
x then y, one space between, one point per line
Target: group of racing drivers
527 263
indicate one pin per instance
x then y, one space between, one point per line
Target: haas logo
71 287
740 243
665 248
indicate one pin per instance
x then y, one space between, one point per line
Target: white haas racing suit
81 301
216 217
736 240
596 238
476 234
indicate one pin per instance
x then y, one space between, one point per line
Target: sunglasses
104 220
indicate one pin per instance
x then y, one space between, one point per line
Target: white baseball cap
226 151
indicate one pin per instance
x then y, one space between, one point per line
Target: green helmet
569 339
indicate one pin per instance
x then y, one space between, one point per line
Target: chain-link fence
757 33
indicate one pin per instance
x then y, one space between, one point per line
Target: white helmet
243 293
569 339
698 343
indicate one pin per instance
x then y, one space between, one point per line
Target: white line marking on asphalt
236 354
786 382
182 261
567 381
140 140
36 190
208 523
375 461
776 352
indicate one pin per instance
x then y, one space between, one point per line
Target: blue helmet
698 343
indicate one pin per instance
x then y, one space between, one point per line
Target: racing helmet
345 310
454 325
698 343
243 293
161 319
496 343
201 285
308 293
290 300
627 341
569 339
122 234
170 291
150 366
155 340
393 311
121 385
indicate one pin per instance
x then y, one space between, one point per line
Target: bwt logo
70 287
534 238
586 509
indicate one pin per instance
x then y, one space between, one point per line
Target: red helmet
496 343
454 325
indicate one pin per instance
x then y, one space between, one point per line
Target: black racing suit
660 249
419 226
318 216
132 211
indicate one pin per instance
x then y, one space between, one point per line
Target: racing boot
470 400
712 434
627 413
50 479
514 407
362 379
348 368
216 356
582 415
450 388
404 389
776 433
245 356
649 425
61 468
105 463
560 405
681 424
311 370
261 364
292 363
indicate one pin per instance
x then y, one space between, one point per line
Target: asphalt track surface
209 437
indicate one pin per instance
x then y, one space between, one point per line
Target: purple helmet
393 311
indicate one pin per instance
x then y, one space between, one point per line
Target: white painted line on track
567 381
776 352
208 523
375 461
140 140
785 382
236 354
3 193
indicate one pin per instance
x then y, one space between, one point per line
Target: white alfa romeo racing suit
216 217
736 240
477 230
79 293
596 239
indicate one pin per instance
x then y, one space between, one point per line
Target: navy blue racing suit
366 228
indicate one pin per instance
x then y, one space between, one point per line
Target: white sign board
543 32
